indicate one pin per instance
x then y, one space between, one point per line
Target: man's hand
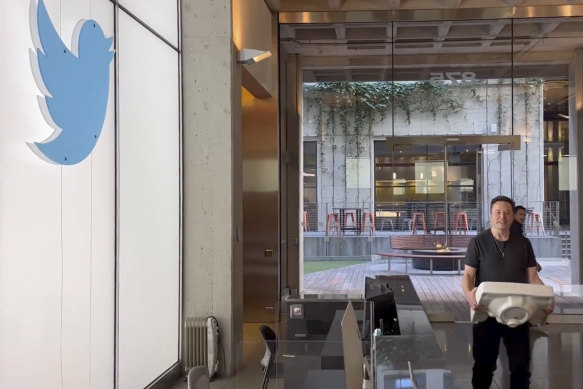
551 307
468 286
471 297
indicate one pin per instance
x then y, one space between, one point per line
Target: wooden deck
439 293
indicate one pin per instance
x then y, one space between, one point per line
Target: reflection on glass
399 187
434 181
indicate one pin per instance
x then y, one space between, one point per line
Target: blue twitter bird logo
75 85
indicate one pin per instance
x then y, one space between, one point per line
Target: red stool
460 222
421 217
367 217
306 221
439 215
332 223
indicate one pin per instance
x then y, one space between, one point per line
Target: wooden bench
406 243
425 242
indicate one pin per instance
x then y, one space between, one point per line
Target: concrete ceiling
413 50
418 49
389 5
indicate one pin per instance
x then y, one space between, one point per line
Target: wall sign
75 85
454 78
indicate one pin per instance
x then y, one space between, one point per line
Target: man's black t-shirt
500 261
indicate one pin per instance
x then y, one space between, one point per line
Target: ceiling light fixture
251 56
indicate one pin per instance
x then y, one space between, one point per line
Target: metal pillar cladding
576 162
445 190
291 149
260 160
260 209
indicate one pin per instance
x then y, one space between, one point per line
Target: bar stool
347 215
421 217
332 223
437 216
385 216
368 217
460 222
306 221
535 221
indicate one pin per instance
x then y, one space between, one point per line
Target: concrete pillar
212 191
576 151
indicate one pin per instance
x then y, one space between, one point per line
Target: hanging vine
368 100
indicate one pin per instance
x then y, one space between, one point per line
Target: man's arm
469 286
533 278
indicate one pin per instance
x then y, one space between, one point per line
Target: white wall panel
103 230
161 16
148 263
56 227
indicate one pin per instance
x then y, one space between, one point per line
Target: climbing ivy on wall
345 112
357 105
365 101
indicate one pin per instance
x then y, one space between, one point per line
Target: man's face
501 215
520 216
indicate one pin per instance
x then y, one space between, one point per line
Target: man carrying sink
496 255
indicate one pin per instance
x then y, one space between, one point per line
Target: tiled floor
557 358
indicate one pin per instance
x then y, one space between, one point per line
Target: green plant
365 102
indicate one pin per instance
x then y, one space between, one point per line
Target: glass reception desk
412 359
312 346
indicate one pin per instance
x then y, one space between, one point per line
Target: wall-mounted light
563 116
251 56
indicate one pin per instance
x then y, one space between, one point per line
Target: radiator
195 342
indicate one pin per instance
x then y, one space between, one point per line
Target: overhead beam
546 29
393 4
308 12
453 59
336 5
340 31
451 3
286 32
512 141
443 30
495 28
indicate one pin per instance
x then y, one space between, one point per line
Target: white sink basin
512 303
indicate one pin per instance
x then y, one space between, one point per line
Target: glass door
435 184
410 187
429 121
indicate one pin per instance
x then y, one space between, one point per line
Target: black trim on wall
147 27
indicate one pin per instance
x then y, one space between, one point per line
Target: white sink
512 303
